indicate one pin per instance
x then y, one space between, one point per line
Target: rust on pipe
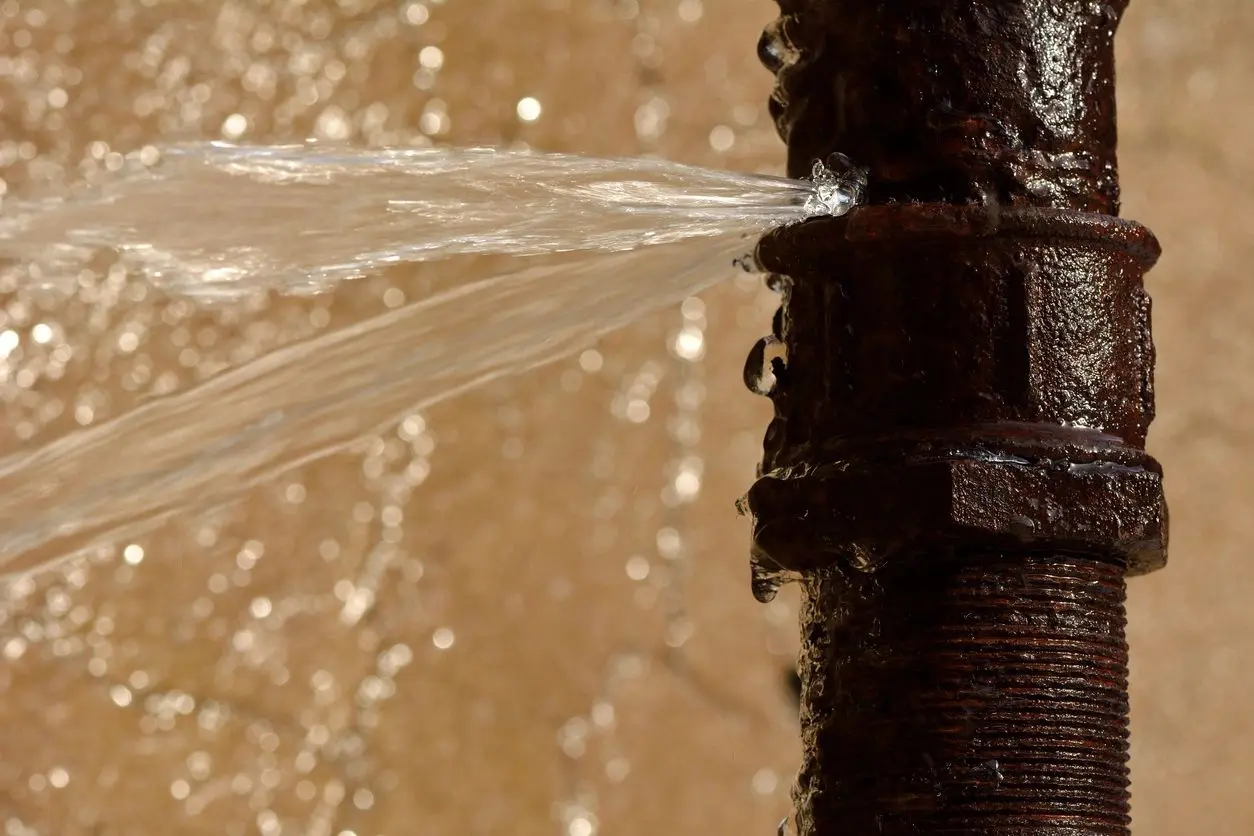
956 469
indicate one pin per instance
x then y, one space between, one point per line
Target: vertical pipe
956 468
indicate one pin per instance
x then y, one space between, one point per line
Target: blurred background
527 611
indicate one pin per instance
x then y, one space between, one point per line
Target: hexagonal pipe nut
842 513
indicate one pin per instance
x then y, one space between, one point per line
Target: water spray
585 246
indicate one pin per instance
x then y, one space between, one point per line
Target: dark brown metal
956 469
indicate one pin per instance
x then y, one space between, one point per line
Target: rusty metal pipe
956 469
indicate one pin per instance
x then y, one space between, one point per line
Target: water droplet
765 364
431 57
637 568
765 781
690 11
722 138
689 344
767 576
442 638
416 14
774 49
839 186
234 126
637 411
777 283
591 361
669 543
765 585
529 109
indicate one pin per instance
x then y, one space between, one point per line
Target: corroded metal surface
957 465
953 102
966 694
959 374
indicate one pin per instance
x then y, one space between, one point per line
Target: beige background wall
273 667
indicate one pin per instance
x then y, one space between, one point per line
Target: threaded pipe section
965 695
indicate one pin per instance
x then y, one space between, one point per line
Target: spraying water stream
218 222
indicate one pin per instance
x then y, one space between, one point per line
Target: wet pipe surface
956 467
